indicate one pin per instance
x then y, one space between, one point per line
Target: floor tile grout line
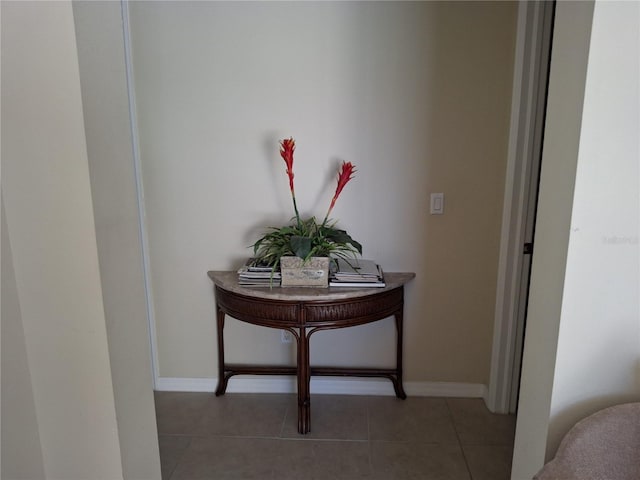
284 420
455 429
181 456
369 444
302 438
415 442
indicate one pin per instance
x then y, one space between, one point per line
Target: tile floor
254 436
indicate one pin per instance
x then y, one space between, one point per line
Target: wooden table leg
304 378
222 380
397 385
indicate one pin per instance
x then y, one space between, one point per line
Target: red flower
347 170
288 146
346 173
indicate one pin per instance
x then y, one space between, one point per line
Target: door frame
534 33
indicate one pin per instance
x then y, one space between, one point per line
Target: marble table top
228 280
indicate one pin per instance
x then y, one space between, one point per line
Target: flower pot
298 273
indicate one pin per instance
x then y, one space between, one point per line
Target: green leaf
305 239
301 246
357 245
341 236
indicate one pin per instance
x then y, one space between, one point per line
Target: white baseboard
329 385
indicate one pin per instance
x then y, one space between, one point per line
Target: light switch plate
437 203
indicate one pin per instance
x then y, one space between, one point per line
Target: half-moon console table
304 311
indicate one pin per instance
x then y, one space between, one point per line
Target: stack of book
253 274
357 273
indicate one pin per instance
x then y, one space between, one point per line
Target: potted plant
301 243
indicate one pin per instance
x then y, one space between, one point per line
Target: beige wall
50 226
600 304
583 335
99 32
21 452
76 376
417 95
